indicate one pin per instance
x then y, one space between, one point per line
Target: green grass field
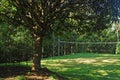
83 66
86 66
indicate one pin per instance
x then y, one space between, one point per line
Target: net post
58 47
53 44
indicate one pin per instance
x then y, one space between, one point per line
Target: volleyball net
65 47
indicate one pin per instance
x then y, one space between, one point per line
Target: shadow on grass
86 67
75 67
92 72
25 73
13 71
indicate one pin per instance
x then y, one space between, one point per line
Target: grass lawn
84 66
81 66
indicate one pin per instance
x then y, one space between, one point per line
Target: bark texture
36 66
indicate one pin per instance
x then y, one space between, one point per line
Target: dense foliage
16 44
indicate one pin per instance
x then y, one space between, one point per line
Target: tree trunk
36 66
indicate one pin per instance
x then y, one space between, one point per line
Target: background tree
16 44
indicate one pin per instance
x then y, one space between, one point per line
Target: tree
40 15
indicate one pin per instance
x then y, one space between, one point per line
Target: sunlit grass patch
86 66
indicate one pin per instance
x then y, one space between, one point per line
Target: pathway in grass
86 66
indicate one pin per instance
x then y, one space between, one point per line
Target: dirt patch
14 71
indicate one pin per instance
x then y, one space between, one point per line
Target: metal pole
53 37
58 47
